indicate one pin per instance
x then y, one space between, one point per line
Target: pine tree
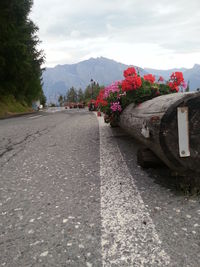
80 95
60 100
92 90
188 87
72 95
20 61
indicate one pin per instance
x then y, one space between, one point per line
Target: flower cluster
176 80
130 72
150 78
184 85
135 89
113 88
100 101
161 79
115 106
132 81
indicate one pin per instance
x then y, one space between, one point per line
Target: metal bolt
183 152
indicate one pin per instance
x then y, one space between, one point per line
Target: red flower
176 79
161 79
173 86
130 72
131 83
150 78
100 100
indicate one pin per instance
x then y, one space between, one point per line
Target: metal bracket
183 132
145 130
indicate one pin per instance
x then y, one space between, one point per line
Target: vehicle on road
91 105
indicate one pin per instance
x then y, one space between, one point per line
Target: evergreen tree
80 95
20 61
188 87
72 95
42 99
60 100
92 90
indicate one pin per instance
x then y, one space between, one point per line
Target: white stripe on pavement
129 237
34 117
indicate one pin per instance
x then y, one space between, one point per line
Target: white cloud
159 34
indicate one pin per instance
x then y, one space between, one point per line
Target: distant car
80 105
91 105
71 105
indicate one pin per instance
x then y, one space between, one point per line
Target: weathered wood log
146 158
162 125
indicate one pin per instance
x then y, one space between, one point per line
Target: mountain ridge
57 80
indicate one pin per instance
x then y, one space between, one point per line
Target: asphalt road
71 194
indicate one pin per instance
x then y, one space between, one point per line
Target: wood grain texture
159 117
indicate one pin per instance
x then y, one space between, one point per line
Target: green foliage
188 87
60 100
80 95
42 99
146 92
52 105
72 95
9 105
20 61
92 91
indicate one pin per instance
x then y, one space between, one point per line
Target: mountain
192 75
59 79
164 73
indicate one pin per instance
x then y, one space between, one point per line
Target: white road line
129 237
34 117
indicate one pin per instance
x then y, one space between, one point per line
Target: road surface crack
20 144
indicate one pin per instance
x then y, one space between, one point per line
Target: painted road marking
53 110
129 237
34 117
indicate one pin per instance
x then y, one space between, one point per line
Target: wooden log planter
169 126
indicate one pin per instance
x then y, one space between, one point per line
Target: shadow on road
162 176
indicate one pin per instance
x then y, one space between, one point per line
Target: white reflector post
183 132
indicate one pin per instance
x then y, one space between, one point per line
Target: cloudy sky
149 33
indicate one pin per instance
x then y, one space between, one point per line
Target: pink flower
114 87
184 85
115 106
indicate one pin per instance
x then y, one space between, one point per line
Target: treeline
20 60
78 95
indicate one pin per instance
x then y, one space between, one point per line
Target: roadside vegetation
9 106
74 95
20 60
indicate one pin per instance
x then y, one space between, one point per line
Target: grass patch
10 106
